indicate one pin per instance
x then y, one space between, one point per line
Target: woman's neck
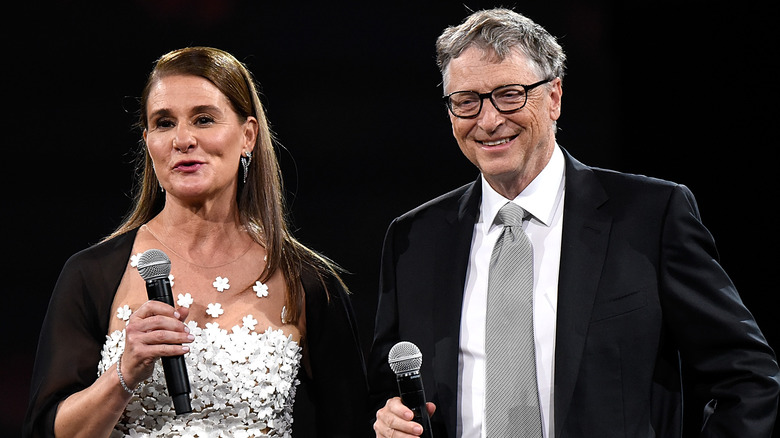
201 236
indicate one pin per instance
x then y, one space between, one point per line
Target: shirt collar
539 199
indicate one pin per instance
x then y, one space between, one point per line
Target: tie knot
510 215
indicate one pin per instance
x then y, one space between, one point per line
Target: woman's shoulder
100 264
322 282
106 251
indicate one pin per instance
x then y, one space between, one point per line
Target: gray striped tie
511 395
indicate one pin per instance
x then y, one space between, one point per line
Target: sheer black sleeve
74 330
332 402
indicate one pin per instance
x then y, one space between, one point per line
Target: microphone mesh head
154 264
404 357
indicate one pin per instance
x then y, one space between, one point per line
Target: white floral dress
243 386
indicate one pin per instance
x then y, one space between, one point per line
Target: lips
496 142
187 166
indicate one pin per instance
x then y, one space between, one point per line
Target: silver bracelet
121 378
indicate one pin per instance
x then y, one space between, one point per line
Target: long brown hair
261 205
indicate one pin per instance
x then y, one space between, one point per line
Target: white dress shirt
543 199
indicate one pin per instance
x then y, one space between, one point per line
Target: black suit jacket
645 314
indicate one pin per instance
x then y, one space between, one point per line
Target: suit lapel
453 256
584 242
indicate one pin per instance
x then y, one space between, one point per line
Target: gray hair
497 32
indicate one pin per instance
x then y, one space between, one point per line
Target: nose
183 138
489 118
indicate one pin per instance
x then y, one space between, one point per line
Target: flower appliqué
134 259
185 300
249 322
124 312
214 310
261 289
221 284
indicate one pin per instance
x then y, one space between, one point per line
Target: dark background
682 91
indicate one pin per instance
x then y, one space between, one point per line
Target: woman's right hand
154 330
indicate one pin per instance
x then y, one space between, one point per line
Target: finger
180 335
167 350
142 351
184 312
396 419
388 432
154 307
396 407
154 315
158 330
147 346
382 430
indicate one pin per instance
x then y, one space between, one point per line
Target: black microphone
154 267
405 360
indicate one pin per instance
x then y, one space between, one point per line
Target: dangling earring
162 189
245 160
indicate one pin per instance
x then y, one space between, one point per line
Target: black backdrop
682 91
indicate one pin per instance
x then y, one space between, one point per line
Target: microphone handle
413 397
178 382
177 379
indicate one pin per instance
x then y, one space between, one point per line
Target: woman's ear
250 133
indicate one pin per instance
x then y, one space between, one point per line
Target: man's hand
395 420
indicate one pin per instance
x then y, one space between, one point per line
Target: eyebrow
163 112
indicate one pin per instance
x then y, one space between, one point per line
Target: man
636 329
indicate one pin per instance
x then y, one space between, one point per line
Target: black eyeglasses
506 99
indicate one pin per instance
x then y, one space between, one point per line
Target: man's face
510 149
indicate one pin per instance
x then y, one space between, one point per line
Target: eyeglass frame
489 95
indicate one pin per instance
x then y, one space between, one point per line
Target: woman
256 311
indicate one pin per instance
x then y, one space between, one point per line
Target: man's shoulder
622 191
445 204
611 177
582 178
630 184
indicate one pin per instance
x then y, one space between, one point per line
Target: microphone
154 267
405 360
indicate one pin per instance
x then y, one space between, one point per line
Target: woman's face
195 138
